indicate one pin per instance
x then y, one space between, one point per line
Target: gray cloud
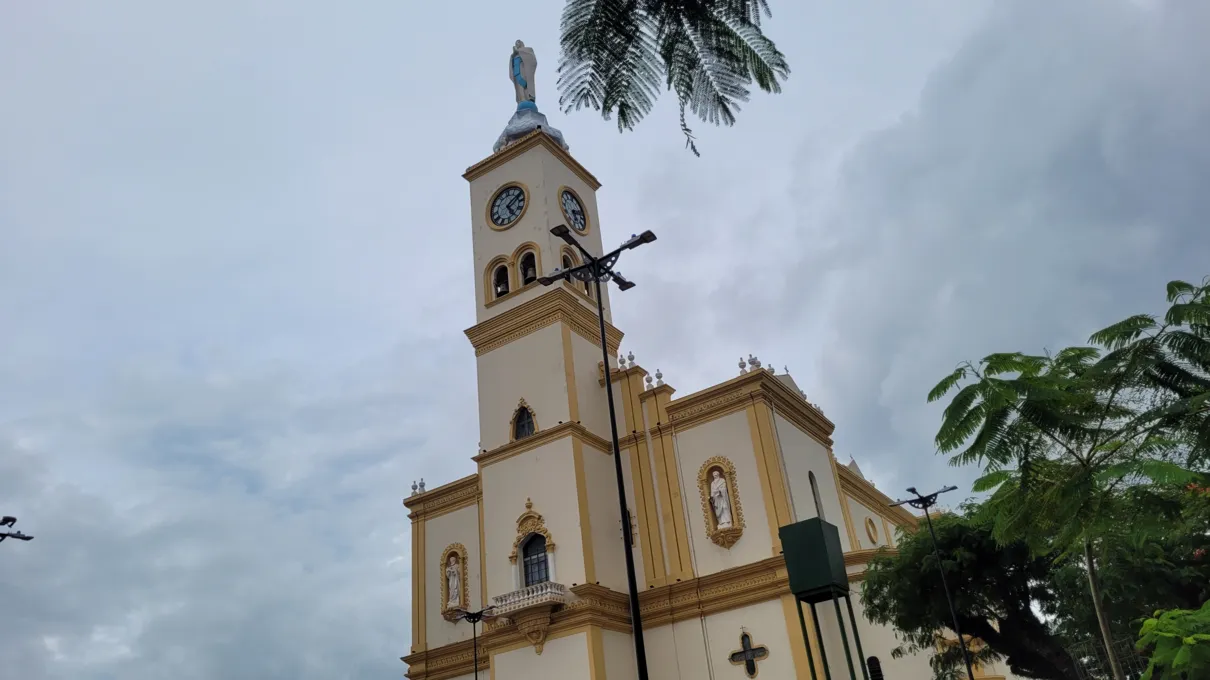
235 268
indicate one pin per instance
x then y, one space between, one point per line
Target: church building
710 477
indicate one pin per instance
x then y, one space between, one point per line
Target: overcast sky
235 268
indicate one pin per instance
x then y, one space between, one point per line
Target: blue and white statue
526 119
521 67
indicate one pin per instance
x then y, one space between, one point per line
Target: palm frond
1123 332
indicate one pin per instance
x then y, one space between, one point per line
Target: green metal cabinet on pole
815 564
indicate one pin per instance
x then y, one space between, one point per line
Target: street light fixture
9 521
475 618
924 503
598 270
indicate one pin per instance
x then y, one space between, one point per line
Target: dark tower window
534 559
529 268
523 423
875 667
500 281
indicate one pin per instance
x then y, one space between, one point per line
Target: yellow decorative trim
856 557
776 467
541 438
728 397
458 551
713 593
529 523
762 472
596 654
482 556
512 423
727 536
533 139
420 635
569 375
458 494
417 587
871 530
583 207
577 456
879 503
845 512
554 306
487 209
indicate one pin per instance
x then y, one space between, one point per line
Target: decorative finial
773 370
743 367
621 360
659 378
630 358
529 504
647 380
753 362
414 487
422 485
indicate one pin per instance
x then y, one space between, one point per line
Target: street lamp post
924 503
598 270
475 618
9 521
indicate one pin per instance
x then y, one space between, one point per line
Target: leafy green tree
709 52
1069 442
1178 642
995 588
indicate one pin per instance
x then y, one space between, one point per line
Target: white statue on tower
522 65
454 582
720 501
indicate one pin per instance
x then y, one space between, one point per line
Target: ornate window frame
447 612
529 523
512 422
724 538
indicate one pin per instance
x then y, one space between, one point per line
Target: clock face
573 211
507 206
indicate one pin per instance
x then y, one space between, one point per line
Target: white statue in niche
720 501
453 579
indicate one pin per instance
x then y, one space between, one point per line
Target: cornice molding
458 494
734 395
863 492
554 306
596 605
541 438
533 139
857 557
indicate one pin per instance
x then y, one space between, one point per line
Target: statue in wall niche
720 500
453 579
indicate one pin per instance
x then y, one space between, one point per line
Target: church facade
710 477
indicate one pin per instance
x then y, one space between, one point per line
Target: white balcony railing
548 593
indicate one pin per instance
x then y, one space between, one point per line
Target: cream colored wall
564 657
530 368
802 455
459 526
728 436
619 657
766 623
590 394
678 651
543 175
859 513
547 476
606 520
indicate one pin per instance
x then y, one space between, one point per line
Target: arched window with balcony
535 567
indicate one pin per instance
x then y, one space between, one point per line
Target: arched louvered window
523 423
534 560
529 268
875 667
500 281
815 495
